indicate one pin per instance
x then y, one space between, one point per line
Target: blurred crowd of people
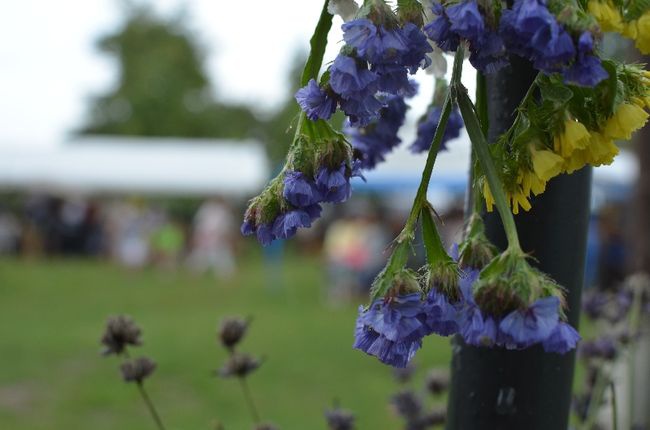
204 237
132 232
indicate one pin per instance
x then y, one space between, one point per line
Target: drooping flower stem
421 196
480 146
150 406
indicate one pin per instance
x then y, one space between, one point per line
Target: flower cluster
511 306
379 53
427 128
318 171
378 138
568 130
529 29
631 19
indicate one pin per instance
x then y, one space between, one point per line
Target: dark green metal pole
496 389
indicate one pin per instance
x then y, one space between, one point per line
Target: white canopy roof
138 165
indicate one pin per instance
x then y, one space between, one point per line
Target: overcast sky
49 66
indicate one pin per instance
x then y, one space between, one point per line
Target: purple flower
427 129
439 30
531 31
553 56
315 102
393 79
418 47
264 233
466 20
391 329
602 347
563 339
441 316
288 223
361 108
587 71
377 139
348 78
333 184
247 227
488 53
376 45
533 324
313 211
299 190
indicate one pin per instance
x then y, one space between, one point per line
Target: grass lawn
52 377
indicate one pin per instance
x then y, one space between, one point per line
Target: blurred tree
162 88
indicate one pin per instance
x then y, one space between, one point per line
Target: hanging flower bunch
577 108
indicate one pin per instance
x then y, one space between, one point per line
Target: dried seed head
137 370
120 331
437 381
339 419
407 405
239 365
232 330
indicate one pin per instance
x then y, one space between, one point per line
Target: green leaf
318 44
557 93
432 243
636 8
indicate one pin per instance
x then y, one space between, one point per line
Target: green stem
480 146
150 406
421 196
596 398
612 389
249 400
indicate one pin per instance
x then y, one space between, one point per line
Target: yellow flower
531 182
519 199
627 119
577 161
546 164
643 33
630 30
487 195
607 15
601 150
575 136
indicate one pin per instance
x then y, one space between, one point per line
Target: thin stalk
633 326
594 402
421 196
480 146
150 406
612 388
249 400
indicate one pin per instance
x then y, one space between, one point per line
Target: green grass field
52 376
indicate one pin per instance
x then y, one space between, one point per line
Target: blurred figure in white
130 226
10 231
212 241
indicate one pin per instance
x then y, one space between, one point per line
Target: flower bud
120 331
137 370
239 365
232 330
437 381
339 419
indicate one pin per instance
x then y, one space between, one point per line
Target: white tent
138 165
